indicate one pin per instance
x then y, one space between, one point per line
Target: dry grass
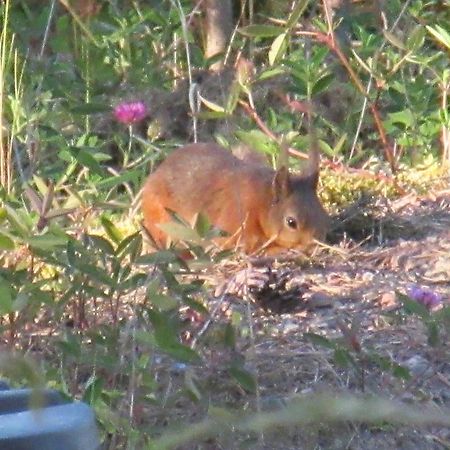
355 284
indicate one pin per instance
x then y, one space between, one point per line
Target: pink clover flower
130 112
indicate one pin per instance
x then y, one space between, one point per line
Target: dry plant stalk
445 132
5 137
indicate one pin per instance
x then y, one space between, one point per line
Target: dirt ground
348 292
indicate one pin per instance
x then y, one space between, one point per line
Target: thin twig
208 322
80 23
369 83
47 29
266 130
192 85
254 115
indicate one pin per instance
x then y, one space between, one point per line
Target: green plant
350 353
436 322
133 332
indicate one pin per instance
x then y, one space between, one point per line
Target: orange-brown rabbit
257 207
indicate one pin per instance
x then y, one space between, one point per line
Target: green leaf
340 143
439 33
412 307
260 31
271 73
96 273
36 297
317 339
277 49
202 225
16 221
70 252
404 117
130 245
129 175
381 361
178 351
6 302
211 115
70 346
230 336
416 39
299 82
322 83
433 334
167 342
296 13
153 15
214 58
245 379
179 231
394 40
259 141
159 257
162 325
102 244
136 280
145 338
443 315
167 339
325 148
111 230
41 185
6 243
162 302
212 106
196 305
343 357
385 363
400 372
22 300
48 241
86 159
233 97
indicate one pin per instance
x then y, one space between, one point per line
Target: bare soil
348 292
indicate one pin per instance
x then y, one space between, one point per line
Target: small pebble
178 368
367 276
289 327
320 300
388 300
418 366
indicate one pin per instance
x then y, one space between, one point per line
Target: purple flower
130 112
426 297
